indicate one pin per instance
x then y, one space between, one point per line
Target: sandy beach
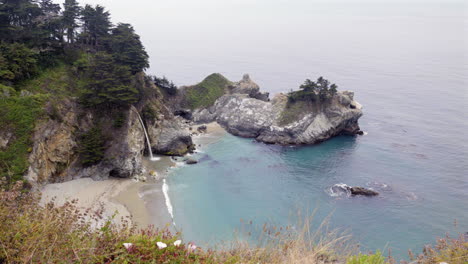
142 203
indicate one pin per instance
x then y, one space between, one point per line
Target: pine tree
127 48
92 147
70 14
110 84
96 24
18 20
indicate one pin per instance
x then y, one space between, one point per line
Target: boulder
191 161
202 129
184 113
171 137
363 191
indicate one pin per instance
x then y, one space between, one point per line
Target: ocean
407 63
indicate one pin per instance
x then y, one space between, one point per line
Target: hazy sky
189 33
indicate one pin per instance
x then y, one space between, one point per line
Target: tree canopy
318 91
36 34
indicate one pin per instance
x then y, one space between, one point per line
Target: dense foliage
319 91
92 146
311 97
163 83
17 117
49 51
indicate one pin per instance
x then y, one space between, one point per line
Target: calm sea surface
408 67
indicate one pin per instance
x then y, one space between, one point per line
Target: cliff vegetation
206 93
51 54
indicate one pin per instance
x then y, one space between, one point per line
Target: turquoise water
406 63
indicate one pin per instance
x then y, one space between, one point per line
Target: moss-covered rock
206 93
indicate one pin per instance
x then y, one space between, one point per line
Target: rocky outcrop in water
245 116
362 191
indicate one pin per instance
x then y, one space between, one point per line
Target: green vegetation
294 112
18 115
311 96
163 83
207 92
376 258
92 147
318 92
119 120
49 53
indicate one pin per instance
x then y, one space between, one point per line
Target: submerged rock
191 161
341 189
363 191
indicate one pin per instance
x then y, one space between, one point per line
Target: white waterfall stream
148 142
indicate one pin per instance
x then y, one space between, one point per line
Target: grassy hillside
207 92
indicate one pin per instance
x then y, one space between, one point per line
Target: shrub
119 120
376 258
18 115
449 250
207 92
92 147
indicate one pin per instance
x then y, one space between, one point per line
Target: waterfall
146 135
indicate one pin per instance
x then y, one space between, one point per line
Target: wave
339 189
155 158
165 189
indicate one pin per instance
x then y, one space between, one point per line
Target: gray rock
202 129
171 137
247 86
363 191
244 116
191 161
54 156
5 138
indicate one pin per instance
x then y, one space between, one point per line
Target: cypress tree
92 147
127 49
70 14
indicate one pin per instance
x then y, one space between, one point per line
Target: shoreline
141 203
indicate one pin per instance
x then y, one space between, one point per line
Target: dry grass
30 233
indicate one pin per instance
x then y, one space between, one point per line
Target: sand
90 194
142 203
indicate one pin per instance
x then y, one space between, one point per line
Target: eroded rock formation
244 115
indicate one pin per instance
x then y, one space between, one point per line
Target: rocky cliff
55 153
243 114
240 107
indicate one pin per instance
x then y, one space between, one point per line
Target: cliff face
55 157
55 153
263 120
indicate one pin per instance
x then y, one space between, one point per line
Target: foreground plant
32 233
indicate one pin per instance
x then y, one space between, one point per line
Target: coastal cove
236 131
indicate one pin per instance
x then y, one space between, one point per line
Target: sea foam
165 189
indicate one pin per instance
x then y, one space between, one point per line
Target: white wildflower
161 245
127 245
177 243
